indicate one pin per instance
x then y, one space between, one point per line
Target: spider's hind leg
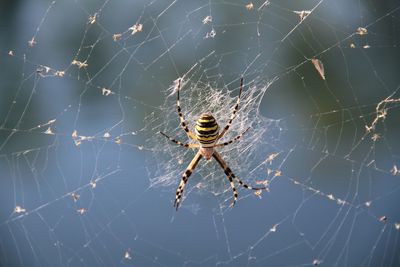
185 178
248 186
228 172
183 123
235 109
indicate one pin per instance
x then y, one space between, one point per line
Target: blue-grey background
126 221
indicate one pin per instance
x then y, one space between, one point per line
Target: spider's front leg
184 124
235 109
185 178
179 142
232 140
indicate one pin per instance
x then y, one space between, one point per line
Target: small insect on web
207 134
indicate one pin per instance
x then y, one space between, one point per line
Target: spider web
87 180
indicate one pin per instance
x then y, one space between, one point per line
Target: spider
207 134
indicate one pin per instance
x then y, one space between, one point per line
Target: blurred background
86 180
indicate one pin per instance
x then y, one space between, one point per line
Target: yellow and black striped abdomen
206 129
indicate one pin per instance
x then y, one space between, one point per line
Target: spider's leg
184 124
235 109
231 176
248 186
232 140
179 142
228 172
185 178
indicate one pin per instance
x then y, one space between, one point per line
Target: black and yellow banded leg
235 109
183 123
228 172
185 178
248 186
232 140
179 142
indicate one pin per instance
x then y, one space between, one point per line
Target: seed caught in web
316 262
263 182
368 203
395 170
32 42
249 6
383 218
352 45
375 137
49 131
361 31
303 14
366 46
59 73
340 201
19 209
75 197
138 27
106 91
51 121
397 226
116 37
118 141
271 157
81 211
11 53
43 70
106 135
273 228
319 67
207 19
211 34
75 138
127 255
92 19
81 65
93 184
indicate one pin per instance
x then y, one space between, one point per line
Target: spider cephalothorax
207 135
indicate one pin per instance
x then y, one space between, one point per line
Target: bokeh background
84 92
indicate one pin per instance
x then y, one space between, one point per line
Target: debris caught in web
319 66
303 14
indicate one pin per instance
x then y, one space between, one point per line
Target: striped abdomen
206 130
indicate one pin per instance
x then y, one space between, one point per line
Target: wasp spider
207 134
